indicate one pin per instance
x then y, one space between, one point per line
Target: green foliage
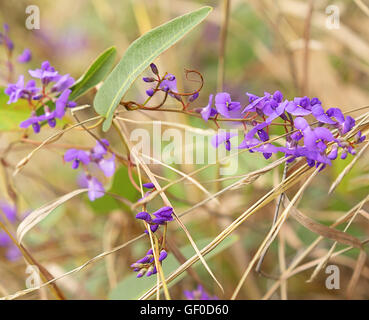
138 57
95 73
12 114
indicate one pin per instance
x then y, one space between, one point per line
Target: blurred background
297 47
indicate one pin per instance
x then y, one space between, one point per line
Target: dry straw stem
195 182
347 169
94 259
167 203
305 267
359 265
362 6
199 131
274 231
296 177
290 270
41 213
338 236
52 138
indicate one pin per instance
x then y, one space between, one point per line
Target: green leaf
11 115
137 58
95 73
131 288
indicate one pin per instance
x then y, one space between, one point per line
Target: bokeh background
266 50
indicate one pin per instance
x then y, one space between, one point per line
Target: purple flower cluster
52 94
199 294
162 216
11 250
146 265
315 143
5 39
96 155
166 84
8 45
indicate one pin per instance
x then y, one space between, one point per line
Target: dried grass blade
41 213
347 169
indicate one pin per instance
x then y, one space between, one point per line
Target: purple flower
223 137
225 105
12 252
169 84
25 57
62 83
47 73
15 91
255 102
18 90
359 137
146 265
107 166
296 109
4 38
208 111
320 115
10 211
95 188
98 152
163 215
77 156
49 117
62 102
33 121
198 294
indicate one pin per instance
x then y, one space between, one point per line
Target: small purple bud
149 185
193 97
148 79
149 271
154 69
163 255
165 88
71 104
38 97
52 123
36 127
143 216
75 164
150 92
154 227
315 101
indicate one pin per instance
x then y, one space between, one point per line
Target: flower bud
150 92
154 69
148 79
163 255
141 273
193 97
